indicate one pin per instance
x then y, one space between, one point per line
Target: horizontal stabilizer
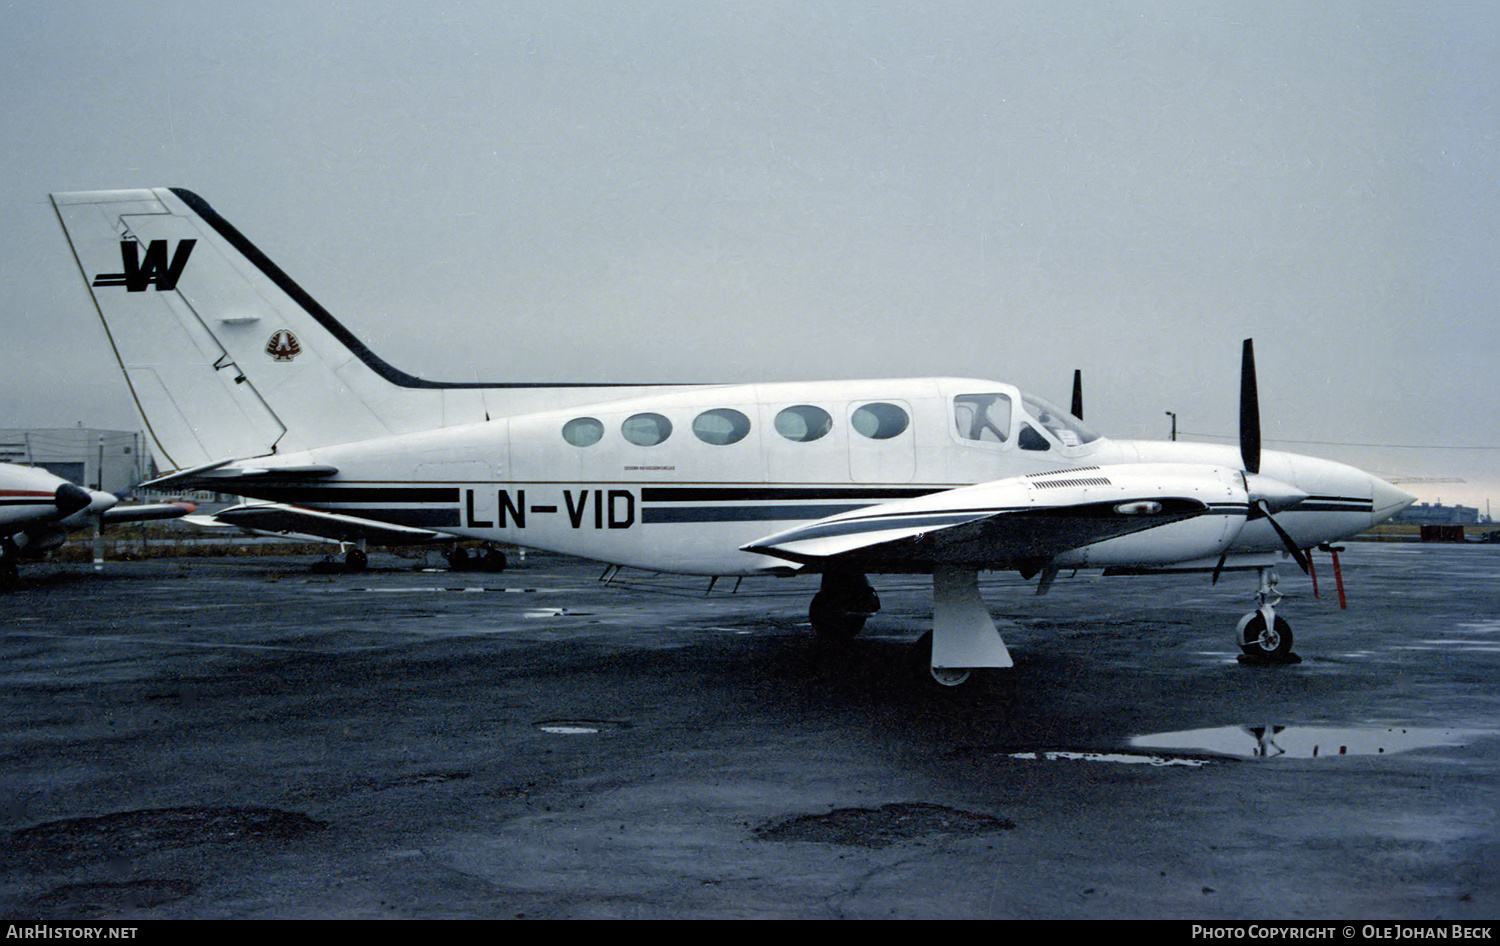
147 512
221 474
282 519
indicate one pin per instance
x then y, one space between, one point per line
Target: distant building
110 460
1437 514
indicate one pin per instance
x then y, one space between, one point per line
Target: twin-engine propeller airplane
248 386
38 510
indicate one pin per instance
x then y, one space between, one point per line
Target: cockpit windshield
1069 430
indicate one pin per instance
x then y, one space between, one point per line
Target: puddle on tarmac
884 826
1305 742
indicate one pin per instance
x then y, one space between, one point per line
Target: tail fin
226 356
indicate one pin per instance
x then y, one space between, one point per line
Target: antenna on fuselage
1078 393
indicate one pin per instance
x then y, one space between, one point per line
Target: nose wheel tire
936 679
947 677
1261 640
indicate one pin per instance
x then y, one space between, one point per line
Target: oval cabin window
880 421
721 426
583 431
803 423
646 430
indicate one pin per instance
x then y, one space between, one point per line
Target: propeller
1249 410
1265 495
1291 545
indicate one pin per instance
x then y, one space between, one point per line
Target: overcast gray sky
783 190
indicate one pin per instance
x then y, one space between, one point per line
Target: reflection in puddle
1053 756
1305 742
1478 627
580 727
1467 637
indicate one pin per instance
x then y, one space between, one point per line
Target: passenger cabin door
882 446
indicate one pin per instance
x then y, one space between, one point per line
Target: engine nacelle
38 539
1220 491
1205 536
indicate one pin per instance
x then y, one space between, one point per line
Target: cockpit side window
1029 439
982 417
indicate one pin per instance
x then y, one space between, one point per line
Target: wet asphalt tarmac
245 738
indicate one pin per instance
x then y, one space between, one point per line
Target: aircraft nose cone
1386 500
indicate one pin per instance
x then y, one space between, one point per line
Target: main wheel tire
831 621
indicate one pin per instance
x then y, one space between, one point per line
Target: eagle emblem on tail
283 346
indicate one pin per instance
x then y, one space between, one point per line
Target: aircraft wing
283 519
1026 522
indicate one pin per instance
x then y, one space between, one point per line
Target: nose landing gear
1263 636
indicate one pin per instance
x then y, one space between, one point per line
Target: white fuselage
680 480
37 509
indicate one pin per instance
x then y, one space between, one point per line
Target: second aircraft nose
1386 500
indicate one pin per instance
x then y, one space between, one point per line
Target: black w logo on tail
150 268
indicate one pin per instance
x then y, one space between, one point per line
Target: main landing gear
963 636
1263 636
487 558
842 605
356 559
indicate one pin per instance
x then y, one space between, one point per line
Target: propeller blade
1249 411
1078 393
1219 568
1291 545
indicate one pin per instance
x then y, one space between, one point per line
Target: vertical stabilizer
227 357
224 355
